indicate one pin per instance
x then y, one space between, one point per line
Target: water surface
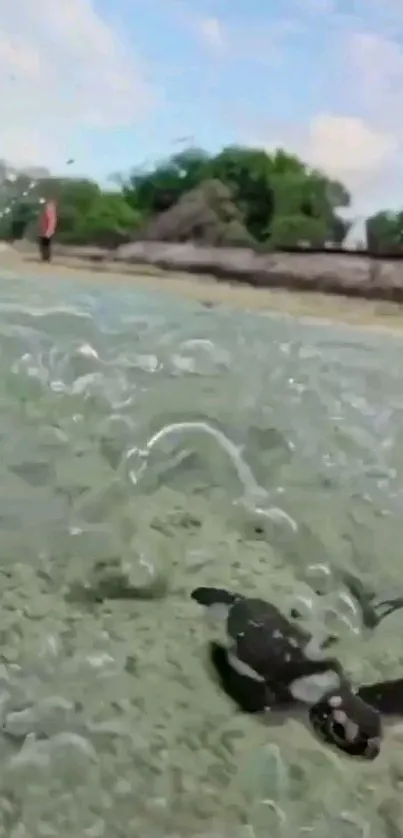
149 444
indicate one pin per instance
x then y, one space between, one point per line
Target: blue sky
115 83
261 66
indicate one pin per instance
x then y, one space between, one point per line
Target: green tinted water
148 445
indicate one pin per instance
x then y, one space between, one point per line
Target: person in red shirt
47 229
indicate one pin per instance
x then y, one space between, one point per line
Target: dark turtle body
272 663
265 646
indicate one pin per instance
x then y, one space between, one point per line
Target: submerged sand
115 727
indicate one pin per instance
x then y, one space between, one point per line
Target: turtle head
342 719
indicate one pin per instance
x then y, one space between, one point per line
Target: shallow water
148 445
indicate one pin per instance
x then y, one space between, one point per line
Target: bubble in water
200 356
278 516
301 607
340 614
147 363
245 475
27 378
320 578
182 364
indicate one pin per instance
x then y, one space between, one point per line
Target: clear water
148 445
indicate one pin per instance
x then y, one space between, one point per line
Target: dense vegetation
241 196
385 232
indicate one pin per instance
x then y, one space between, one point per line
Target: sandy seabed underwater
148 445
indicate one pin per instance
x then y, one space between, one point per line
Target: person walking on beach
47 228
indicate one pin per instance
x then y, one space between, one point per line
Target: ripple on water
148 445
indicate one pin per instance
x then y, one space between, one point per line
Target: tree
385 232
89 215
241 195
264 187
19 202
206 214
157 189
248 173
294 230
308 194
110 221
20 219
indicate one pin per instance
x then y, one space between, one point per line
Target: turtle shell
266 641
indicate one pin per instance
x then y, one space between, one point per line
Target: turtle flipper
247 694
373 608
214 596
385 696
218 601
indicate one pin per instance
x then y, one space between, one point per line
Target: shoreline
350 311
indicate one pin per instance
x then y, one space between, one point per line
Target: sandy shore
358 312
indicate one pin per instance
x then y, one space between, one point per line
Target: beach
308 304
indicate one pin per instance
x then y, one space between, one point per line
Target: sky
115 84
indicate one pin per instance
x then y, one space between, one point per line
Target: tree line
238 197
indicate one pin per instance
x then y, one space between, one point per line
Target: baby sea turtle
271 663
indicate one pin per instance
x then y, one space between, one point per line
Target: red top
48 220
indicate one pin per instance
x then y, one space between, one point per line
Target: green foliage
292 230
22 216
385 232
273 193
14 224
88 214
207 214
158 189
18 204
243 196
248 174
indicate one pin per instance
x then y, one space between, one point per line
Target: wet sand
356 312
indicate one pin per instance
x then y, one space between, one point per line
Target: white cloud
62 69
374 67
346 146
357 136
211 32
359 154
